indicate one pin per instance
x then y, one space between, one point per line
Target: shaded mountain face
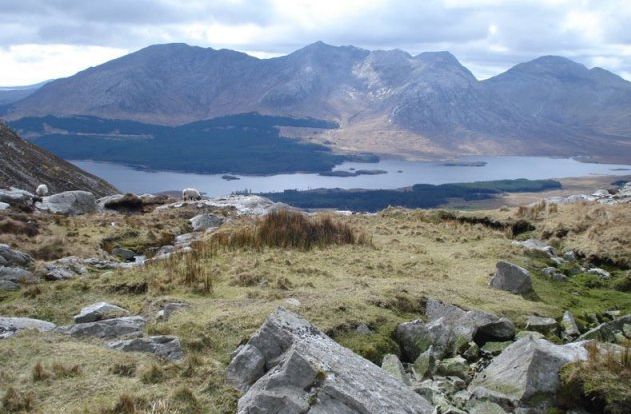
24 165
549 106
10 94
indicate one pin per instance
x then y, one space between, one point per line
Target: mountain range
389 102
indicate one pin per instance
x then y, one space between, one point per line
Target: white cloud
487 35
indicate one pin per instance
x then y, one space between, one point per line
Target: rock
570 256
16 197
59 273
413 338
185 240
543 325
11 257
526 374
456 367
304 370
472 353
554 274
164 346
170 308
69 202
203 222
363 329
601 273
570 328
108 328
16 275
534 245
9 326
128 202
425 365
393 366
292 302
512 278
450 330
4 206
100 311
7 285
606 332
500 330
124 254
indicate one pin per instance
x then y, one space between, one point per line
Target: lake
399 174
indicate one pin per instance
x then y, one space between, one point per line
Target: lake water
400 174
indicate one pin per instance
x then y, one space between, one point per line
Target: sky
47 39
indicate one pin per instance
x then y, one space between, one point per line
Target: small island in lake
340 173
228 177
464 163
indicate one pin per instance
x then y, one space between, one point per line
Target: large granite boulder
100 311
164 346
289 366
537 246
69 202
203 222
526 374
512 278
9 326
541 324
12 257
108 328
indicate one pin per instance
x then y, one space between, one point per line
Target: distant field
240 144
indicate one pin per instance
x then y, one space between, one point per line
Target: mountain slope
384 101
25 166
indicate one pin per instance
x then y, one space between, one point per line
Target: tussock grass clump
288 229
15 401
126 404
600 384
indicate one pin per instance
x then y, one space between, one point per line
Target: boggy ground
381 282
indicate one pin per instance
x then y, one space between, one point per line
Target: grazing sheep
191 194
42 190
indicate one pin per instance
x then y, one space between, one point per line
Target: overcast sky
45 39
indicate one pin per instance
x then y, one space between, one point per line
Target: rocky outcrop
611 331
542 325
70 202
12 257
203 222
108 328
290 366
526 374
99 311
167 347
536 246
15 197
512 278
9 326
449 330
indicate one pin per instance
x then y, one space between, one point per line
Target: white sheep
42 190
191 194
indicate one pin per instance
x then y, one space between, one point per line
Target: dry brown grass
288 229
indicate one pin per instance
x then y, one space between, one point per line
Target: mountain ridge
384 100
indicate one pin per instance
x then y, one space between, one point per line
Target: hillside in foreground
356 278
24 165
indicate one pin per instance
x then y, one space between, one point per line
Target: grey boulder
124 254
4 206
16 197
570 328
16 275
69 202
12 257
203 222
526 374
512 278
99 311
537 246
108 328
7 285
9 326
540 324
164 346
393 366
289 366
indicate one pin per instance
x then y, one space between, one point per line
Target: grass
602 383
412 255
